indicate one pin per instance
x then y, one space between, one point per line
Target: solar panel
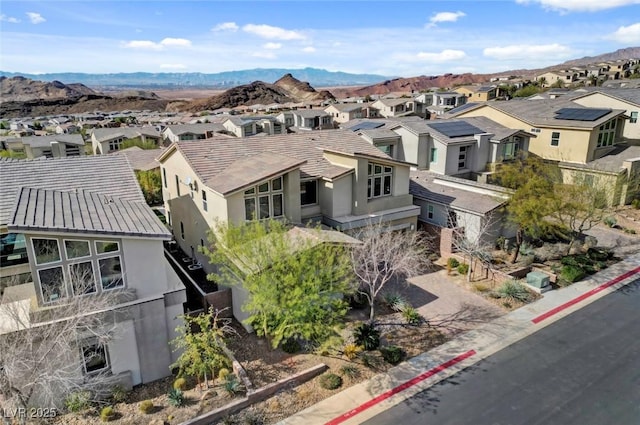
581 114
456 128
366 125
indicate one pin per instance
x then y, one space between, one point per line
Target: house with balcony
107 140
50 146
86 216
396 107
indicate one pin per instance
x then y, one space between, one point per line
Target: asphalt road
581 370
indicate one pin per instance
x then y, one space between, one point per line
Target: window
634 117
430 210
182 230
72 150
380 179
47 153
555 138
164 178
177 185
433 157
94 357
110 273
462 157
114 145
309 192
388 149
52 284
204 200
606 134
82 278
264 200
76 249
46 250
103 247
510 149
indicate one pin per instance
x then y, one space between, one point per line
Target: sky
392 38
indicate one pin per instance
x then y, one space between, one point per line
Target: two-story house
343 112
107 140
478 93
306 119
66 217
51 146
179 132
396 107
610 98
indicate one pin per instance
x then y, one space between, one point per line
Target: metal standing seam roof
84 212
104 174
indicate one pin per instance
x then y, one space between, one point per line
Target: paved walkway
367 399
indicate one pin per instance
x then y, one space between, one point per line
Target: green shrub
599 254
330 381
232 386
453 262
176 397
366 335
78 401
107 414
119 394
392 354
350 371
514 290
630 231
411 316
610 221
370 360
291 345
223 373
180 384
636 203
395 301
351 351
463 269
571 273
146 406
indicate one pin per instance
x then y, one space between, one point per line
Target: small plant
366 335
253 417
453 262
223 373
351 351
180 384
330 381
507 304
370 360
146 406
636 203
176 397
107 414
500 241
514 290
350 371
358 301
119 394
610 221
392 354
481 287
463 269
395 301
291 345
232 386
411 316
629 231
78 401
571 273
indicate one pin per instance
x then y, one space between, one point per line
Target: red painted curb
400 388
585 295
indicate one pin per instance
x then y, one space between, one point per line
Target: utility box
538 281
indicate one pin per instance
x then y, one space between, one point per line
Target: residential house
396 107
550 78
306 119
180 132
240 126
625 99
444 101
478 93
66 216
566 131
51 146
332 177
107 140
343 112
142 159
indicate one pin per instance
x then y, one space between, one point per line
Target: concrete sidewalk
367 399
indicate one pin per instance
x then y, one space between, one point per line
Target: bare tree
475 240
385 255
48 353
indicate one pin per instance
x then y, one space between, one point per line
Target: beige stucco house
107 140
625 99
343 112
396 107
51 146
478 93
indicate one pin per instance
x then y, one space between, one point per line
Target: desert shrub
514 290
232 385
507 304
571 273
411 316
463 269
610 221
351 351
599 254
223 373
146 406
636 203
330 381
366 335
453 262
253 417
370 360
481 287
119 394
180 384
107 414
392 354
176 397
78 401
350 371
394 301
630 231
291 345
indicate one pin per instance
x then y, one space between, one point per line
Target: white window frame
124 283
89 343
633 119
66 255
35 255
109 252
93 271
555 140
65 293
205 206
607 134
255 194
372 175
462 157
430 211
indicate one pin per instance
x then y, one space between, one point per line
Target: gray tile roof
45 141
103 134
379 133
212 157
105 174
141 159
310 113
83 211
611 162
631 95
195 128
346 107
423 186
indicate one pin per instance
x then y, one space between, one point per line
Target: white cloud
528 51
272 46
627 35
269 32
226 26
443 56
445 17
35 18
309 49
264 55
173 66
176 42
580 5
10 19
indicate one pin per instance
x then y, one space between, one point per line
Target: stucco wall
599 100
123 352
